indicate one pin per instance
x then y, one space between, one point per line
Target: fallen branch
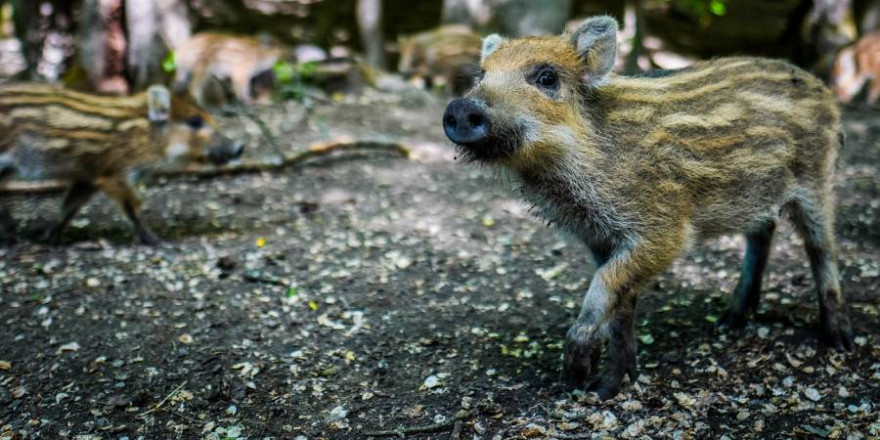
258 276
168 397
315 150
41 187
402 431
251 166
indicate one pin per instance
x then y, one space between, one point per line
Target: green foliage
704 10
718 7
169 64
292 79
291 292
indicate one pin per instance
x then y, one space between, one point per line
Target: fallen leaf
70 346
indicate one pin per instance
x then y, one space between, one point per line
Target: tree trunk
35 21
145 47
175 24
369 18
103 45
474 13
518 18
869 16
634 31
828 26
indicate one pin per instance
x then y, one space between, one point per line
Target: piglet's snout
465 123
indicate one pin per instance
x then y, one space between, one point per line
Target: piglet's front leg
607 317
594 328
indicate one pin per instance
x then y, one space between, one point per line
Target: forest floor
367 292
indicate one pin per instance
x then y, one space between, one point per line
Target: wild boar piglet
98 143
640 168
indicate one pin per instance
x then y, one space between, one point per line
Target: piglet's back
56 133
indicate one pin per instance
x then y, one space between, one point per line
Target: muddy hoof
581 355
732 319
607 385
840 338
52 236
148 238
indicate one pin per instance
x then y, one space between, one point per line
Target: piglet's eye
547 79
195 122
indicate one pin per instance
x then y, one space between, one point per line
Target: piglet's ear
490 44
595 42
159 103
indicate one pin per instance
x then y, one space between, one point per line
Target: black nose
465 123
237 151
224 151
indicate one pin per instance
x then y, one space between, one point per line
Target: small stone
232 410
71 346
431 382
812 394
337 414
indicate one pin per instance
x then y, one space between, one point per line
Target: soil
365 292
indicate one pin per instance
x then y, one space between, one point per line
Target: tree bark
103 45
474 13
634 30
145 46
175 22
518 18
869 16
369 18
828 26
34 21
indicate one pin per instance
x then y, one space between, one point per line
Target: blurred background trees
115 46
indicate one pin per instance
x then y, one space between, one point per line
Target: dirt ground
365 292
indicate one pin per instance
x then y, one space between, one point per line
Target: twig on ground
162 402
434 427
258 276
315 150
187 418
41 187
